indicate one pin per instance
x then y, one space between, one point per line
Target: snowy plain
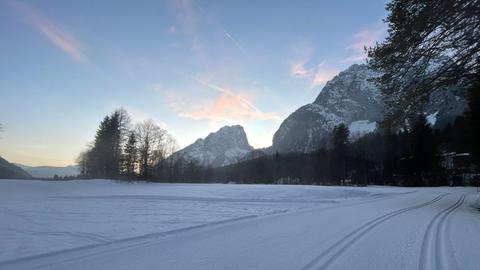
103 224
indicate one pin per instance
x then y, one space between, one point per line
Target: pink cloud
228 106
63 40
317 76
322 76
298 70
366 38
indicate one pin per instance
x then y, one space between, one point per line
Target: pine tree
473 121
424 147
118 130
100 150
104 158
340 151
430 46
389 154
130 155
340 137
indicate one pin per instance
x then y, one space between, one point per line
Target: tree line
123 150
410 157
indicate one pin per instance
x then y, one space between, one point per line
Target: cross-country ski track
414 228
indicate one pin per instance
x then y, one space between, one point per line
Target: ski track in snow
145 239
435 246
236 227
324 261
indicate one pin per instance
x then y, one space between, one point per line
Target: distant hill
50 171
11 171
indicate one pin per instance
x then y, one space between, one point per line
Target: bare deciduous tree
150 137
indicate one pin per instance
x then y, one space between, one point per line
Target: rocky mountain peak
226 146
347 98
353 99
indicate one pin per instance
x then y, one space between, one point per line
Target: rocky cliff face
350 98
445 106
347 98
226 146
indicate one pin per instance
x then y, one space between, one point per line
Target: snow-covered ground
101 224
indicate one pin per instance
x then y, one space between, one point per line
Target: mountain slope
226 146
347 98
50 171
353 99
10 171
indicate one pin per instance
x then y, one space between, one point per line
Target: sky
190 66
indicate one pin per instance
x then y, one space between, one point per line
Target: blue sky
191 66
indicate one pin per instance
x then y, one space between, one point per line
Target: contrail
225 32
235 42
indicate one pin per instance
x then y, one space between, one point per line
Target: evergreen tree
104 158
340 137
101 150
424 148
430 45
473 121
118 131
389 155
115 146
340 151
130 155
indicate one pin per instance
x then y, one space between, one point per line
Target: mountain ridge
50 171
352 98
11 171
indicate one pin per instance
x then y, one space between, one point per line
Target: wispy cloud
228 108
316 76
231 106
298 70
322 75
366 38
61 39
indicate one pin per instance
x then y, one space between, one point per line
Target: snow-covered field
102 224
